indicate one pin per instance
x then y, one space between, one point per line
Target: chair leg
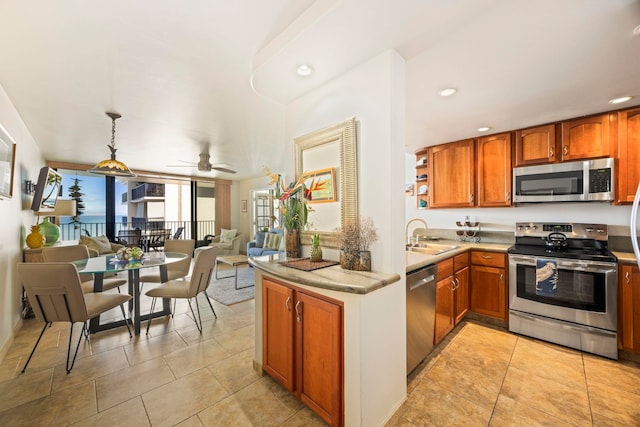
209 301
153 306
125 320
198 325
34 347
84 327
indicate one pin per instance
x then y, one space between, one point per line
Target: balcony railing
73 231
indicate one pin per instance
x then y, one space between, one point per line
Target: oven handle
588 267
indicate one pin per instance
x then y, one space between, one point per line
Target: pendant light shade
112 167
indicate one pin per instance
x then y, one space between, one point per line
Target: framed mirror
331 148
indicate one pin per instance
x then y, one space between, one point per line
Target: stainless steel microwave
583 181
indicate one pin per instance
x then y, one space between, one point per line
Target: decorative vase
349 259
364 261
50 231
35 239
292 243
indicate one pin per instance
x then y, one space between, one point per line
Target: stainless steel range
563 286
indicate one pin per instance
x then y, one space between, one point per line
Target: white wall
504 219
373 93
16 218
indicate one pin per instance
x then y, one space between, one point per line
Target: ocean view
91 219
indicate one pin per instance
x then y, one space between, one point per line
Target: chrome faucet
406 230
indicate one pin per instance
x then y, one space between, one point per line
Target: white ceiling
215 75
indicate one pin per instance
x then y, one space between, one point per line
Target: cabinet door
319 356
629 154
461 294
452 175
588 138
536 146
278 332
489 291
494 170
444 309
629 308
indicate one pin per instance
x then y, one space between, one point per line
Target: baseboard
7 345
257 366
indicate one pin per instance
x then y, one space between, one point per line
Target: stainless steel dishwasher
421 312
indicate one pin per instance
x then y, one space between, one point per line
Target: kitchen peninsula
350 327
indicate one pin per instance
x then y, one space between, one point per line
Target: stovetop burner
587 242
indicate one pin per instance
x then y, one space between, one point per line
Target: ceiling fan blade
223 169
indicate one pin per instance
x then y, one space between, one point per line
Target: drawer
490 259
445 268
460 261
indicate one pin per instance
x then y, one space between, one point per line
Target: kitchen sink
431 248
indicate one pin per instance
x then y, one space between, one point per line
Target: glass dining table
101 265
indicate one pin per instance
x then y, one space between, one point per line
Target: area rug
224 291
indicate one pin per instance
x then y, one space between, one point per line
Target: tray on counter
305 264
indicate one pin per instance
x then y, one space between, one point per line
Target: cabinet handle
287 302
298 312
457 282
508 196
627 278
501 277
470 198
487 257
551 153
453 284
565 150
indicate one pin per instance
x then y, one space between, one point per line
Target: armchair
227 245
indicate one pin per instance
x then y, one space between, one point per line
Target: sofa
99 245
264 243
228 242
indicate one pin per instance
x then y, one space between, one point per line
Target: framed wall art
243 206
7 163
322 185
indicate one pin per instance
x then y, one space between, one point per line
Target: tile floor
175 376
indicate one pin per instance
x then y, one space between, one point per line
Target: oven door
585 293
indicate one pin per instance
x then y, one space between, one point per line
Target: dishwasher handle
422 282
421 277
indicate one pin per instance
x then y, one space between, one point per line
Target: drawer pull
487 257
627 278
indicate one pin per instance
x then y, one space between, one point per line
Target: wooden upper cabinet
536 145
629 154
494 170
452 174
589 137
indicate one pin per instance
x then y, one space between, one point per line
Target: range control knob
589 229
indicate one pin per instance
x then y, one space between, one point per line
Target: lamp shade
65 207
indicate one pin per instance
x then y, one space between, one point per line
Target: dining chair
76 253
175 270
204 261
55 290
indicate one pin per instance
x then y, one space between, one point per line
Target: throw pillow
283 242
100 244
227 235
260 236
272 241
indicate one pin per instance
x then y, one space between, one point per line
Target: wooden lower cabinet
489 286
452 294
303 346
629 308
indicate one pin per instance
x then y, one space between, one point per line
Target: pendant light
112 167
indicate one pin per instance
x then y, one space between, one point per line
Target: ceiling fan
204 165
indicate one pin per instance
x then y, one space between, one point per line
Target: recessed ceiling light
484 129
619 100
304 70
447 91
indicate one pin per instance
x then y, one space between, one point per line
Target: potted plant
355 240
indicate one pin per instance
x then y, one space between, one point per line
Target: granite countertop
417 260
334 278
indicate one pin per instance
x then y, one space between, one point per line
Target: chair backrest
54 291
181 246
130 238
203 264
67 254
178 233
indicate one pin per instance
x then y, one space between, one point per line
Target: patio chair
130 238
